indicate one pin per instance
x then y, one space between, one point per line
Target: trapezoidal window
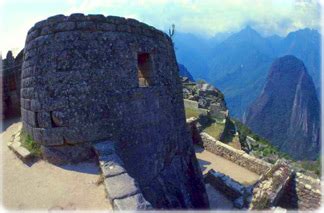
144 66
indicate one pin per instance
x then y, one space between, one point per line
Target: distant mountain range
238 63
287 112
183 71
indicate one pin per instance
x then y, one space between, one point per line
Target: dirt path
48 187
208 160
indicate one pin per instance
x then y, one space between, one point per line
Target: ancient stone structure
122 190
278 186
10 74
88 79
219 148
270 187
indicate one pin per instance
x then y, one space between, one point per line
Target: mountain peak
287 111
249 29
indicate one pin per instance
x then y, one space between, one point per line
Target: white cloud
205 17
212 16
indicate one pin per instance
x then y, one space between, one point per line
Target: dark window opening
144 65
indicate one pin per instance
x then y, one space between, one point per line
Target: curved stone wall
92 78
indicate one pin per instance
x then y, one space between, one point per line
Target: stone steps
122 190
16 146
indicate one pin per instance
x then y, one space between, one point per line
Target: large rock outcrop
287 111
87 79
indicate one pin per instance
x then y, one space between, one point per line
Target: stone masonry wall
10 84
302 192
237 156
271 187
80 85
122 190
278 185
191 104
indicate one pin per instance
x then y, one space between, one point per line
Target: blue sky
201 17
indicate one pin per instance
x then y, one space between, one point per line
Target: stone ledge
136 201
235 191
120 186
237 156
122 190
16 146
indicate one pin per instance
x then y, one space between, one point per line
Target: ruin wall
88 79
237 156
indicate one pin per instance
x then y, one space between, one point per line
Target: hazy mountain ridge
238 64
183 71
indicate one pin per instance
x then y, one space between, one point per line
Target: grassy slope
268 149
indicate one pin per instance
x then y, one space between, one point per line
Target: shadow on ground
8 122
90 167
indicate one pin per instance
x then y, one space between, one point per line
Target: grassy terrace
209 125
191 113
215 130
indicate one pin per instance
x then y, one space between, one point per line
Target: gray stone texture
85 88
237 156
120 186
10 69
137 202
122 190
271 187
302 192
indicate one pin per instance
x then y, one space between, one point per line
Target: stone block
239 202
111 165
22 153
123 28
104 148
67 154
44 119
64 26
120 186
37 135
46 30
86 25
56 18
32 35
32 118
106 27
116 19
135 202
96 17
77 17
35 105
53 136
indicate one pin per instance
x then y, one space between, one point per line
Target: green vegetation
215 130
201 81
265 149
190 112
27 142
212 126
314 166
